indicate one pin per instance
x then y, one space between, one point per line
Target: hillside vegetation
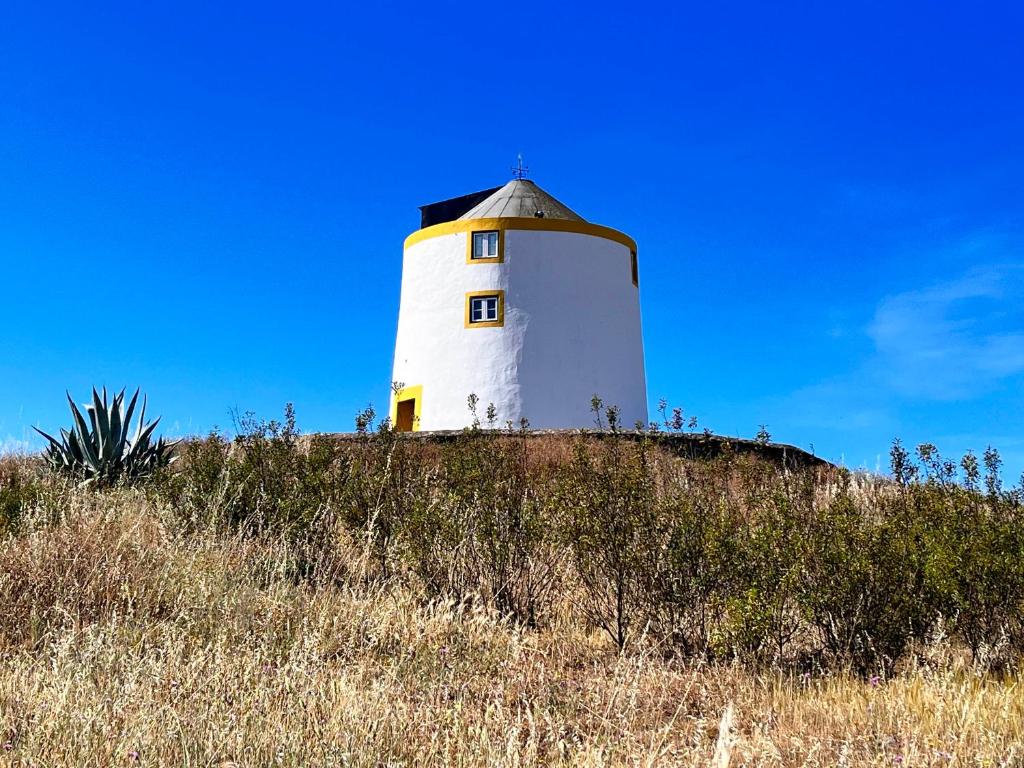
507 599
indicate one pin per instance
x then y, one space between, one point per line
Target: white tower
509 295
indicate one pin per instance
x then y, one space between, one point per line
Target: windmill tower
509 295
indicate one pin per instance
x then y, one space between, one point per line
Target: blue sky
211 202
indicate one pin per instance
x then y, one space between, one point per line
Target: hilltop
482 599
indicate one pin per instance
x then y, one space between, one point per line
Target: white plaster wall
572 329
579 315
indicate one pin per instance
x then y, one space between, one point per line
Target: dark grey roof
451 209
520 198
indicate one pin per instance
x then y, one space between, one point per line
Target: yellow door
406 414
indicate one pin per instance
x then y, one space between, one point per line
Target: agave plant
101 450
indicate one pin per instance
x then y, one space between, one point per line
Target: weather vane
519 170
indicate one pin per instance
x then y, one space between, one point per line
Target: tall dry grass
126 639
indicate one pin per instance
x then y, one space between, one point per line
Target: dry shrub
164 643
19 486
375 679
103 559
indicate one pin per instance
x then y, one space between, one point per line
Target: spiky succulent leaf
141 443
102 423
142 421
84 440
80 426
116 446
52 440
128 418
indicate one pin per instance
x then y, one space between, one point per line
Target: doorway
406 415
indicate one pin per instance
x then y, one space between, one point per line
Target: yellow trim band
415 393
487 323
543 225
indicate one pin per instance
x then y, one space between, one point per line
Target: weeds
506 598
732 558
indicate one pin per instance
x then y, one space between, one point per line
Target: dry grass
123 642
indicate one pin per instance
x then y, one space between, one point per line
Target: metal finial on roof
520 171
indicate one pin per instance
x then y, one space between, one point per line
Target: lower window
485 309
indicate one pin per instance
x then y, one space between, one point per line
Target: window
485 246
635 268
485 309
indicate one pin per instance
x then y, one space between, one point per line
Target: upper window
485 246
634 268
485 309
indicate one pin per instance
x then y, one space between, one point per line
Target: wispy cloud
956 339
943 361
15 445
952 340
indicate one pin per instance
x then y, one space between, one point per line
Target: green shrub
484 530
382 483
770 525
701 561
609 523
198 486
858 586
984 585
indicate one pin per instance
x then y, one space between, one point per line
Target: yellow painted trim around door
414 393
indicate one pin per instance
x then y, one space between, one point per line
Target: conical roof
520 198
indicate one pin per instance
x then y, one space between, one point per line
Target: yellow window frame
486 323
487 259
